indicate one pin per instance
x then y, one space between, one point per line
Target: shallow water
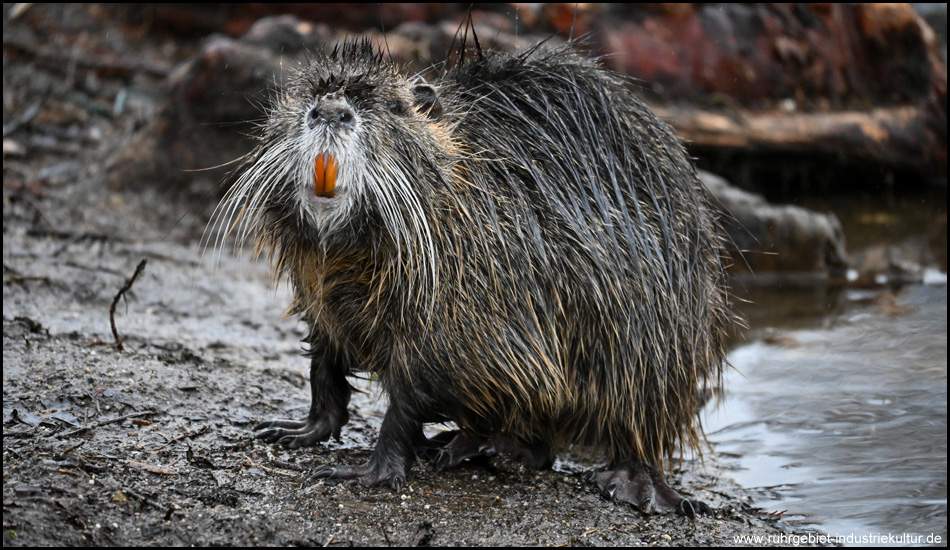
836 413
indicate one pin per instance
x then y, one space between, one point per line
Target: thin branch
123 290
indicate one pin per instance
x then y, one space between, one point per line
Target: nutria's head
349 146
352 154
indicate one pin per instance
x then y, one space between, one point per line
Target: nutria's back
590 295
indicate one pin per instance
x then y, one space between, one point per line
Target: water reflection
839 414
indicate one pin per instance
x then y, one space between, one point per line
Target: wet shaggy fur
521 247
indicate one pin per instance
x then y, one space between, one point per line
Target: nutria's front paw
643 486
300 433
373 473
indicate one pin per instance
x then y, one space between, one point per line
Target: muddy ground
151 444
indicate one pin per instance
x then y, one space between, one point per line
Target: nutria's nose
333 111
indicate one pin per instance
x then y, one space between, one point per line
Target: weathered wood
896 136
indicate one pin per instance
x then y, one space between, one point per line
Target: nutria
520 247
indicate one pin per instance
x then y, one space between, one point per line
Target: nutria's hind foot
462 448
643 486
375 472
465 447
446 449
429 448
399 436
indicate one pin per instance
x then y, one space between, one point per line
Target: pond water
836 410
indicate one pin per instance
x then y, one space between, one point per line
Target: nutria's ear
426 99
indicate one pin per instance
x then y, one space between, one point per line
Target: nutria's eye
397 108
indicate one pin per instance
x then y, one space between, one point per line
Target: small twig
73 448
123 290
332 536
67 235
106 423
195 433
123 417
70 516
25 117
141 498
18 278
577 538
153 468
97 269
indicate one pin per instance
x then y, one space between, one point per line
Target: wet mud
151 444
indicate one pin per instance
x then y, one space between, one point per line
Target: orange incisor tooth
324 175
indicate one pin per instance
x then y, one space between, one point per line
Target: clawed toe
644 487
294 434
